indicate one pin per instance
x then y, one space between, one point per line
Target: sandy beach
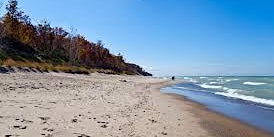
99 105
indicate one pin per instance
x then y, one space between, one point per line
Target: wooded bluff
48 48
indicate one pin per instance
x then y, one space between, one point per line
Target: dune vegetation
47 48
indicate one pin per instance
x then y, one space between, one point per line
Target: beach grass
47 67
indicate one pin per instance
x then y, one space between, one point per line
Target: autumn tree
16 25
44 37
57 46
11 19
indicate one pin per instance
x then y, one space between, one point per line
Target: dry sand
98 105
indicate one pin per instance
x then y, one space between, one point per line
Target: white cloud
149 68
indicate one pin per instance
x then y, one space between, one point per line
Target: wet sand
67 105
219 125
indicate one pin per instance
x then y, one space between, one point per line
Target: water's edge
243 112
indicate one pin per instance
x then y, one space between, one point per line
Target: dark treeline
22 41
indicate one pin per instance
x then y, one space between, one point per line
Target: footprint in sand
48 129
104 126
164 133
20 127
81 135
48 135
74 120
44 119
152 120
23 120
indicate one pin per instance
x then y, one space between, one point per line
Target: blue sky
173 37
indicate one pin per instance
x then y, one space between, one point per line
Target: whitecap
269 102
225 88
192 89
213 82
187 78
210 86
230 89
229 80
190 79
254 83
193 81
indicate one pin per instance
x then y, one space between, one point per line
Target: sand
99 105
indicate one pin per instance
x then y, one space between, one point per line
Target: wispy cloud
149 68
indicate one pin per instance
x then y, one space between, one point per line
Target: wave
206 86
247 98
231 89
267 108
190 79
254 83
203 77
225 89
229 80
187 78
192 89
232 93
213 82
210 86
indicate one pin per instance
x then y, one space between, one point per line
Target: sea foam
210 86
230 89
254 83
213 82
229 80
190 79
247 98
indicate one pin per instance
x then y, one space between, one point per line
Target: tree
55 45
12 10
44 37
11 18
59 43
72 46
15 24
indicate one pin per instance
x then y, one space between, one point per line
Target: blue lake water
248 99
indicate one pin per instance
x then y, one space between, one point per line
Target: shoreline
69 105
218 124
